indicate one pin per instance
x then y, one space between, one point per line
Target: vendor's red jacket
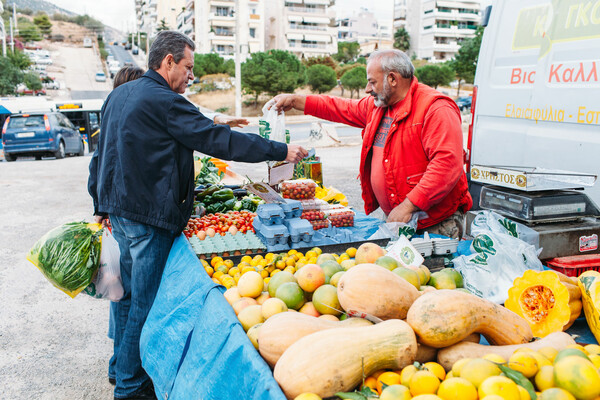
425 166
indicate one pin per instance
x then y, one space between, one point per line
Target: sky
120 14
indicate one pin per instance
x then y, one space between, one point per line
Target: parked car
40 134
24 90
464 103
51 85
135 51
128 46
87 42
100 77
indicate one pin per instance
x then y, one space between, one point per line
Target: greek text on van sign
560 73
548 113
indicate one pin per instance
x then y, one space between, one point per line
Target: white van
87 42
536 101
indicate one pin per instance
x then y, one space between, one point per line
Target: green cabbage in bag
69 255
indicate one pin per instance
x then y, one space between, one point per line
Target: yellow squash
589 283
548 300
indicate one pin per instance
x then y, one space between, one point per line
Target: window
252 32
220 48
26 122
222 11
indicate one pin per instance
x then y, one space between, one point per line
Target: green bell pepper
223 195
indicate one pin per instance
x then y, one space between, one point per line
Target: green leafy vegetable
209 173
69 255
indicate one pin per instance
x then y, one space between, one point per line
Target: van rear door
538 87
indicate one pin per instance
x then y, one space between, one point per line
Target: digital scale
549 201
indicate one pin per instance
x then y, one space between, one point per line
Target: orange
209 271
229 263
407 373
371 383
351 251
388 378
215 260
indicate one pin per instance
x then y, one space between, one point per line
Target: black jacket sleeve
187 125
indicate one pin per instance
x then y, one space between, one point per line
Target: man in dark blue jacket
142 177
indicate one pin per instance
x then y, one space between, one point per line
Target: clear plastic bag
69 255
275 122
107 283
497 260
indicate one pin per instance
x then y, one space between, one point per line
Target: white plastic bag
488 220
107 283
276 122
497 261
394 230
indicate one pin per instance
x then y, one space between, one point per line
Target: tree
435 75
355 79
324 60
321 78
32 81
402 40
19 59
465 61
10 76
212 63
163 25
29 32
361 60
43 23
347 51
272 72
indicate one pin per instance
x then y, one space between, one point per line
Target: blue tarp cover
193 346
4 110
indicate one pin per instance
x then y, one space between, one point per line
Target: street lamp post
238 66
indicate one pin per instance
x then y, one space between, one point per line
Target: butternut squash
446 317
334 360
448 356
548 300
427 353
375 290
282 330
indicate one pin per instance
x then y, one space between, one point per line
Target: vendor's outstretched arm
285 102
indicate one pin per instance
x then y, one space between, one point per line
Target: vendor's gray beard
381 99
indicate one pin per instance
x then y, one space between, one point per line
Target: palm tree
402 40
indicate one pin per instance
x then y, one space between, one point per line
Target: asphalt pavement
121 55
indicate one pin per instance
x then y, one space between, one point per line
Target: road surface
121 55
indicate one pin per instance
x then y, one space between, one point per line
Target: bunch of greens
209 173
69 255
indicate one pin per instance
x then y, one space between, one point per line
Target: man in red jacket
412 153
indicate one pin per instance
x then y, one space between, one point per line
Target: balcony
310 10
308 28
222 32
188 18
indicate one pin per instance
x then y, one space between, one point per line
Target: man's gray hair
168 42
394 61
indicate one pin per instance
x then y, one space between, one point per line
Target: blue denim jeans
144 251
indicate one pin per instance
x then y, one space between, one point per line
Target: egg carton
292 208
229 243
300 230
270 214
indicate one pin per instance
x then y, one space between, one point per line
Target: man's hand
99 219
295 153
285 102
402 212
231 121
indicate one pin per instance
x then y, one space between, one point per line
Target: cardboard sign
280 173
265 192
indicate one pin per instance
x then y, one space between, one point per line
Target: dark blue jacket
143 168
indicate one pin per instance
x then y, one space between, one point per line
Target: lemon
544 379
478 370
395 392
457 366
555 394
423 382
495 358
457 388
435 369
524 362
501 386
406 374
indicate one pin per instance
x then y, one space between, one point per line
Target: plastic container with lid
298 189
292 208
299 229
444 246
271 234
270 214
341 218
319 224
575 265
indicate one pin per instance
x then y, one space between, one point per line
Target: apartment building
400 10
211 25
303 27
150 13
437 27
